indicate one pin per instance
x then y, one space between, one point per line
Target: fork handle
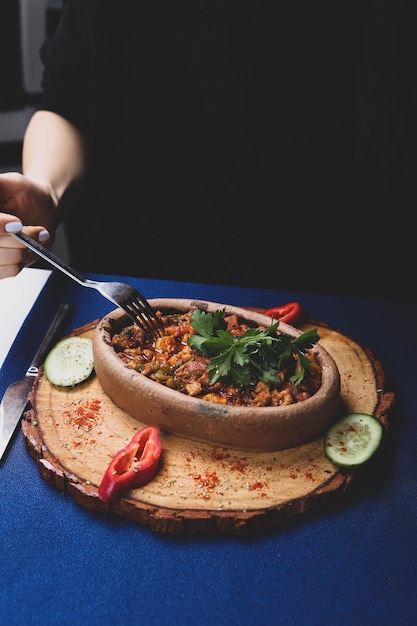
49 256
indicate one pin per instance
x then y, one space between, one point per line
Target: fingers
41 235
12 258
12 224
23 201
14 255
13 227
6 218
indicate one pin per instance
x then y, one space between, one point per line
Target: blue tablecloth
350 561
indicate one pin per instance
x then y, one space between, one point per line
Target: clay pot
254 429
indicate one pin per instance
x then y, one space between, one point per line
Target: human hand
23 203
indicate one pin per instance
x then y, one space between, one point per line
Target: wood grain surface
74 433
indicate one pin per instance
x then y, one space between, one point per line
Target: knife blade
16 395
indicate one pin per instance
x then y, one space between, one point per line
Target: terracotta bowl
255 429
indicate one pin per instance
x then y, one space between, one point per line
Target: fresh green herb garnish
256 355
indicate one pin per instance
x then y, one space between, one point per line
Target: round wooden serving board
74 433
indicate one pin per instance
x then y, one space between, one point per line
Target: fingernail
13 227
43 236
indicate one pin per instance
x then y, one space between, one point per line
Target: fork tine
148 311
141 317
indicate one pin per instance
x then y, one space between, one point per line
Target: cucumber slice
70 361
353 439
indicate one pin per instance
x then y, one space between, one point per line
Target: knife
16 395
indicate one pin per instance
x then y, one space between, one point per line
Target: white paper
18 294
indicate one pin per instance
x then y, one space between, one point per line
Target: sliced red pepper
132 467
291 313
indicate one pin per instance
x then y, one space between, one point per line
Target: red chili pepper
132 467
291 313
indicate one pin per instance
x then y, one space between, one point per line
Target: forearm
54 153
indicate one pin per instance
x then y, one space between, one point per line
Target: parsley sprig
256 355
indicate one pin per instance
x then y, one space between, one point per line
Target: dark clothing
222 140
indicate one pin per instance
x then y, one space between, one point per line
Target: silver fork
121 294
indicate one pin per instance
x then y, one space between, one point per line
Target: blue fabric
353 560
